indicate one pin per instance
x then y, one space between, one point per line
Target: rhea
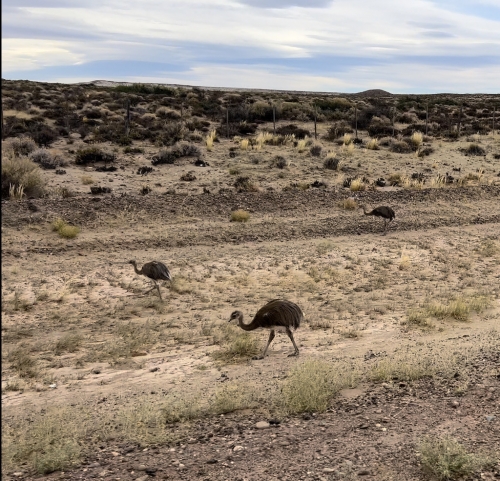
276 315
156 271
383 211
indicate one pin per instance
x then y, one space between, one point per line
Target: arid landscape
249 196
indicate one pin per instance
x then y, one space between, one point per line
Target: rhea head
236 315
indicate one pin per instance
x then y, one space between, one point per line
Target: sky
422 46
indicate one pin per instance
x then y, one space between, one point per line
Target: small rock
490 418
53 386
238 448
17 473
142 478
212 461
39 387
364 472
328 470
154 369
96 370
454 404
262 425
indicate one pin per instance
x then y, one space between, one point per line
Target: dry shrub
87 180
231 397
168 156
348 204
64 230
372 144
46 159
22 145
240 215
445 458
21 174
416 140
311 385
23 363
209 140
332 162
400 147
357 185
474 149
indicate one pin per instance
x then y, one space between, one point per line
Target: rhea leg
290 335
271 337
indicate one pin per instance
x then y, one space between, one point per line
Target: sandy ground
355 285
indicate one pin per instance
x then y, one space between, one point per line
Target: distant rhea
276 315
383 211
156 271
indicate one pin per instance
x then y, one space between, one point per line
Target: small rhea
156 271
276 315
386 213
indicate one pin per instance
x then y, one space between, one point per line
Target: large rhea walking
276 315
156 271
383 211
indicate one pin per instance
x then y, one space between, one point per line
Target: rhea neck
137 271
246 327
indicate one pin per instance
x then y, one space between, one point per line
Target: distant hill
374 93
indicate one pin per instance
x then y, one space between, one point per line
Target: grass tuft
240 215
445 458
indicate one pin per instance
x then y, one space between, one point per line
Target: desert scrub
168 156
87 180
23 363
459 308
372 144
348 204
20 175
65 230
357 185
209 140
22 146
445 458
237 347
231 397
92 154
474 149
240 215
311 385
332 162
46 159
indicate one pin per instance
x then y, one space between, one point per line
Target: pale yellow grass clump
416 140
64 230
347 149
244 144
372 144
240 215
357 185
209 140
348 204
302 144
404 261
87 180
347 139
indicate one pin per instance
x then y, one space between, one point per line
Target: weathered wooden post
227 122
274 119
393 116
426 117
127 118
356 118
315 131
3 127
459 119
494 110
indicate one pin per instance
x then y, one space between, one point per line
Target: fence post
315 131
494 110
356 118
459 120
227 122
127 118
274 120
393 115
426 116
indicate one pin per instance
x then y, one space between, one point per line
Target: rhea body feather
156 271
276 315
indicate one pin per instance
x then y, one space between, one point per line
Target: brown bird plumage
383 211
156 271
277 314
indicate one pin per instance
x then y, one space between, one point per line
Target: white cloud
23 54
187 31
